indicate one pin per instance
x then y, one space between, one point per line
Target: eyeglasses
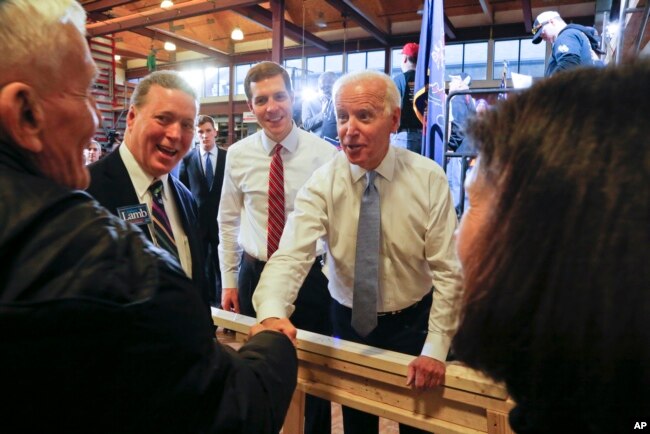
539 26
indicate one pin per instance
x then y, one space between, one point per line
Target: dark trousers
214 272
404 332
311 314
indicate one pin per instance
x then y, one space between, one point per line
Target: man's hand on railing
425 373
230 300
282 325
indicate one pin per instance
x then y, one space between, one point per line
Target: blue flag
429 101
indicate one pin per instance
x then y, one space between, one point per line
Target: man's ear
22 116
250 105
130 117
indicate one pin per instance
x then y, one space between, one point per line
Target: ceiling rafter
488 10
450 30
264 17
189 9
182 42
164 35
528 15
361 18
104 5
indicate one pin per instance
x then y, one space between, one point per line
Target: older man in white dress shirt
417 279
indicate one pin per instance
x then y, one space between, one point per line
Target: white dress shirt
243 210
141 182
416 247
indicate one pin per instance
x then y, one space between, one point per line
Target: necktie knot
370 178
277 149
156 188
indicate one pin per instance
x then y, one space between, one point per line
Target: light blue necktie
366 264
209 173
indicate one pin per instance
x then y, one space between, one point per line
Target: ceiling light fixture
166 4
169 46
237 34
117 57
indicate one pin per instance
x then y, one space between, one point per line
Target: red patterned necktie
276 202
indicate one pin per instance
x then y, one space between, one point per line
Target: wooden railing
374 380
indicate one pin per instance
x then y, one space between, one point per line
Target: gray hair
30 33
166 79
393 98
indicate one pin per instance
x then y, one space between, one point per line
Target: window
356 62
366 60
195 78
396 61
470 58
334 63
520 55
217 81
240 76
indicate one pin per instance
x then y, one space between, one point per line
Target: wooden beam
105 5
450 30
264 18
183 42
374 381
528 15
189 9
277 33
347 9
487 10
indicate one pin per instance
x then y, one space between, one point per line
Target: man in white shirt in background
417 289
248 232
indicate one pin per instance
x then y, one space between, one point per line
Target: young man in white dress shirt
419 292
244 209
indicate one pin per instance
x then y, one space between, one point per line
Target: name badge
136 214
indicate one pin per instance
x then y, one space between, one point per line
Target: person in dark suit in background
201 171
160 129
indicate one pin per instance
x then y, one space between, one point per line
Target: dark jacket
207 197
571 49
111 186
100 333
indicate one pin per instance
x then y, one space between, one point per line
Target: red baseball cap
411 49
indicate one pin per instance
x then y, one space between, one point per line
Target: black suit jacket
207 197
111 185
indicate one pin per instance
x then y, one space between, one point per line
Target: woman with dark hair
554 248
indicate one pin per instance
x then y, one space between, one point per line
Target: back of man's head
411 50
262 71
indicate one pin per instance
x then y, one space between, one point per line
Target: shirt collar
203 151
386 168
139 178
290 143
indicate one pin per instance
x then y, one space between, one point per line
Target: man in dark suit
201 171
133 182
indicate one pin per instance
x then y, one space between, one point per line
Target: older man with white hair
387 219
100 331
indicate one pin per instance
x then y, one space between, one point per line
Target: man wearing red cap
409 133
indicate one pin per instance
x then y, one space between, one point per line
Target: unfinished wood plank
498 423
294 422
